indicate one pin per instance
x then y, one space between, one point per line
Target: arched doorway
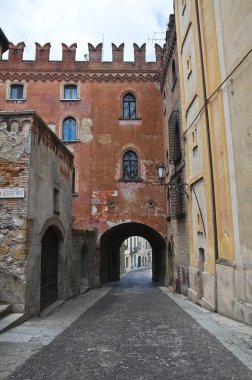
49 268
139 262
110 244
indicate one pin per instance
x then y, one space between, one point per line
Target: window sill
75 194
69 100
70 141
128 119
16 100
130 180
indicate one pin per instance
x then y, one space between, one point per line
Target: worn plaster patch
85 130
104 138
99 203
13 143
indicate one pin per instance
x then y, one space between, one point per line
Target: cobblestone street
134 331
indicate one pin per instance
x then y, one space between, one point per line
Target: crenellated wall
69 55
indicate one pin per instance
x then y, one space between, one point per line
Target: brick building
109 115
177 220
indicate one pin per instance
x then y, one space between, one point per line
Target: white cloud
84 21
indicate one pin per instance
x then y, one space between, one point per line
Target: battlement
69 53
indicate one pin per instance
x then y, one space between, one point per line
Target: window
130 166
177 143
174 75
175 149
74 192
69 129
177 199
70 92
16 91
129 106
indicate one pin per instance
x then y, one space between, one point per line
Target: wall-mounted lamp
161 169
172 185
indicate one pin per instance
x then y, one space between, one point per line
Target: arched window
69 129
129 106
130 166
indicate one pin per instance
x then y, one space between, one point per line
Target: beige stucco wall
230 116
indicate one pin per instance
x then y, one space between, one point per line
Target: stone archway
111 241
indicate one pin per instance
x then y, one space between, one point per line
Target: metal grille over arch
111 242
49 268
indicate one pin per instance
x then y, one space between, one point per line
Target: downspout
209 146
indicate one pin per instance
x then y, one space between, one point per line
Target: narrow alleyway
134 332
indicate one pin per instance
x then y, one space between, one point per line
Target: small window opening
70 92
174 75
17 91
56 201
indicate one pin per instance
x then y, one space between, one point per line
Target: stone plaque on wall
17 192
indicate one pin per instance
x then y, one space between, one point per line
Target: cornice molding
98 76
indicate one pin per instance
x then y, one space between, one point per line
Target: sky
83 21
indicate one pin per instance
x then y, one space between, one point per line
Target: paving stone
134 332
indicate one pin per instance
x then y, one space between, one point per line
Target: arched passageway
111 241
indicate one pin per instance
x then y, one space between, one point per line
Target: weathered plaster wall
236 301
50 169
84 257
229 118
33 158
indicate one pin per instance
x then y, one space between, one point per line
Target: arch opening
135 253
112 240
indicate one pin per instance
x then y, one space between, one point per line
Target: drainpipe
208 133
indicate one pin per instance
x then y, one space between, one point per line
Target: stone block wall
14 174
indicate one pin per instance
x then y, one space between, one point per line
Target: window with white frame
70 91
69 129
